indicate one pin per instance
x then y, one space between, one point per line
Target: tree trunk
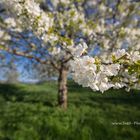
62 87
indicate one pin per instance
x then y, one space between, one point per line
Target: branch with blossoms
29 56
123 70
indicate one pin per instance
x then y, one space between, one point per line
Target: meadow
30 112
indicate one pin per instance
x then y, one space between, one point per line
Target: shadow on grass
112 96
77 95
119 97
14 93
117 100
75 88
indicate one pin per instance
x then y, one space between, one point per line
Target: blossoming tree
65 28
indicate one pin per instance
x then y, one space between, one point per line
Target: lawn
29 112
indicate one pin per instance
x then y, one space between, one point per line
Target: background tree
8 70
11 74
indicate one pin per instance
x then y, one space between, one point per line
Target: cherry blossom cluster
29 13
66 21
88 74
91 72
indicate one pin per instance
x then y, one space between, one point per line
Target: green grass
29 112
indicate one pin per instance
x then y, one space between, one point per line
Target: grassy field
29 112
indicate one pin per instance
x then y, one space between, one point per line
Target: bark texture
62 87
